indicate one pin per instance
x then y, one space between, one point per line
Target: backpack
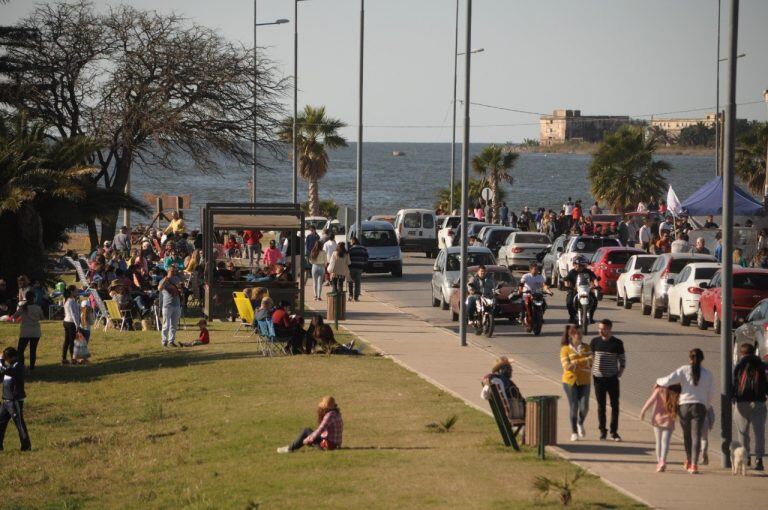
750 383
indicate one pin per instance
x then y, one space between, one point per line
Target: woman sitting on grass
320 338
327 435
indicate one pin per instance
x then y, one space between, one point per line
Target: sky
604 57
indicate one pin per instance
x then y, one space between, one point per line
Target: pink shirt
272 256
660 417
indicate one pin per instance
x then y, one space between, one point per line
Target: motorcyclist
481 284
531 283
580 267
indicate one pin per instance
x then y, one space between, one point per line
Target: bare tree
150 87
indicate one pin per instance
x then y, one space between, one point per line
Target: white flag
673 203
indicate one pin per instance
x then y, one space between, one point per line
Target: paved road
655 347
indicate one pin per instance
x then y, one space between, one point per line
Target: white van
417 230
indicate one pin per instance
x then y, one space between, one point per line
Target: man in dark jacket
12 372
749 390
358 258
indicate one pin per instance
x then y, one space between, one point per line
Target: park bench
510 417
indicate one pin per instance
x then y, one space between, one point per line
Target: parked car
449 224
315 221
521 248
683 296
383 217
337 230
580 245
653 295
749 287
416 230
506 307
494 237
473 229
383 250
606 264
754 330
549 262
606 220
447 268
630 281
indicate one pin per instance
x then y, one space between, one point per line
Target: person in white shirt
680 245
696 397
644 235
71 323
568 207
666 225
329 247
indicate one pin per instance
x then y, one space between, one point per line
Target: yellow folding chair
246 313
116 315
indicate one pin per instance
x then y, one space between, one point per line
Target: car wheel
670 317
656 312
443 304
397 273
700 322
646 309
627 303
684 319
435 302
716 324
560 285
619 301
454 316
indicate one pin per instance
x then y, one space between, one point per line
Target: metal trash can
541 421
337 306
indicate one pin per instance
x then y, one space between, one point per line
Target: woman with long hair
663 406
318 260
576 359
338 267
696 396
29 333
329 431
71 324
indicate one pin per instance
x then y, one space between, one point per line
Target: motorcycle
583 300
534 313
483 320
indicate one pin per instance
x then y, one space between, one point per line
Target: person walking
319 261
170 302
609 363
696 396
358 258
576 359
504 214
663 406
12 373
71 324
30 315
338 267
644 236
750 386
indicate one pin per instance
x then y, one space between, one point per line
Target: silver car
653 295
754 331
521 248
549 264
447 270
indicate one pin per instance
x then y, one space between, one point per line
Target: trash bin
337 305
541 421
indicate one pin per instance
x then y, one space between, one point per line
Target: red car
606 263
749 287
506 307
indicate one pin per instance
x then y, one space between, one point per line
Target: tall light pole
717 97
464 180
727 223
255 89
453 106
295 152
765 184
359 185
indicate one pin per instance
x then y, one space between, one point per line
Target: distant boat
398 153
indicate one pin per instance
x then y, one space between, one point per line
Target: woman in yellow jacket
576 359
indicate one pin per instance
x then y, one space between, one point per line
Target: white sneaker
283 449
574 437
582 432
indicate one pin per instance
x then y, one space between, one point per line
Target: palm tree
473 194
750 157
494 163
314 134
623 170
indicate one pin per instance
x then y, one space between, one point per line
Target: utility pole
765 184
465 181
453 107
726 340
359 185
295 181
717 96
255 108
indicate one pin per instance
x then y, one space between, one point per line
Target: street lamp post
255 88
765 184
717 97
294 150
359 184
464 181
726 339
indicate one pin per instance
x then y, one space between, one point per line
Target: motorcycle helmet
581 261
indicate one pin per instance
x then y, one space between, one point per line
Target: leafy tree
751 149
698 135
475 188
315 132
45 189
494 163
623 170
662 136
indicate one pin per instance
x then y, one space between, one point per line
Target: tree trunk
314 197
93 235
494 185
122 172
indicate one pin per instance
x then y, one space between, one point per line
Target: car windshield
379 238
473 259
318 224
644 264
619 257
677 265
705 273
474 228
531 239
751 281
591 244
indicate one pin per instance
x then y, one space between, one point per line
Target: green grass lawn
142 427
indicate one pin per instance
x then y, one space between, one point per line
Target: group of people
333 263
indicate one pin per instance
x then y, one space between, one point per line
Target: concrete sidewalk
435 354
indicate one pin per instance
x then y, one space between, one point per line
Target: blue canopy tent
709 200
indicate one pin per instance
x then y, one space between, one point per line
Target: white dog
738 459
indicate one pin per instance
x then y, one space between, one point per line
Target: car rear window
379 238
429 221
619 257
677 265
591 244
412 220
705 273
498 236
751 281
644 264
473 259
531 238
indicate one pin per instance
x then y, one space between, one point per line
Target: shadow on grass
397 448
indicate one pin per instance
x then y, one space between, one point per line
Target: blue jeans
578 402
355 275
318 275
472 305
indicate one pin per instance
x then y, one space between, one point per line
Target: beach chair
101 312
270 344
117 316
81 276
510 422
246 313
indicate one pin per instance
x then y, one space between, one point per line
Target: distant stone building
564 125
673 127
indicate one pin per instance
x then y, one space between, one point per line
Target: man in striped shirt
608 366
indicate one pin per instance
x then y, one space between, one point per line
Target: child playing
203 339
663 406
